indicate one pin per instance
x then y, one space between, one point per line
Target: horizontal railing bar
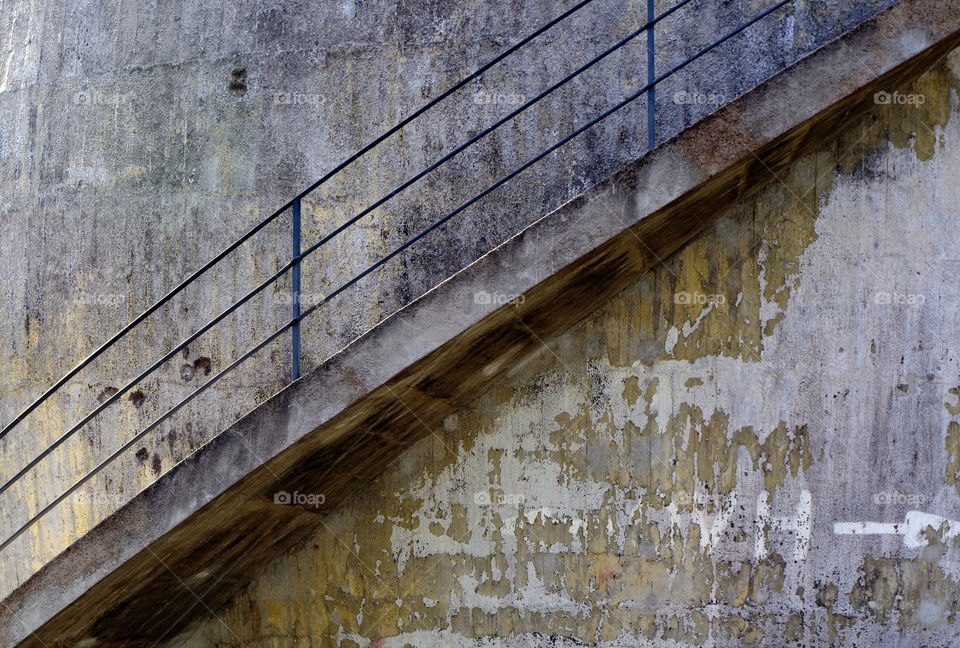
386 258
129 327
146 372
103 464
240 241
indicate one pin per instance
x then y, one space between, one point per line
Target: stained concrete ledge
206 527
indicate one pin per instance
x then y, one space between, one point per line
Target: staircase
344 419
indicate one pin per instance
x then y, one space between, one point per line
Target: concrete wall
140 139
683 467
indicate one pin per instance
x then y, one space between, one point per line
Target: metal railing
294 206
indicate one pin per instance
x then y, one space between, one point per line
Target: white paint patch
535 596
912 528
797 524
832 364
673 336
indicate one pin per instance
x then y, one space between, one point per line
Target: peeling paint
607 497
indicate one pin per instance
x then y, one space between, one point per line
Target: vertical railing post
295 329
651 75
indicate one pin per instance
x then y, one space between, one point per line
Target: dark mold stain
238 80
202 363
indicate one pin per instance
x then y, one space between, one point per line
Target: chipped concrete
723 491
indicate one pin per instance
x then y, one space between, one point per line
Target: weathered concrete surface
755 444
138 139
684 468
451 348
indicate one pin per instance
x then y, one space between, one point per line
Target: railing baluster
295 329
651 75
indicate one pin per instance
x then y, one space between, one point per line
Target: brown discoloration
137 397
105 394
952 444
202 364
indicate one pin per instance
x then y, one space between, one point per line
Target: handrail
294 263
297 318
269 219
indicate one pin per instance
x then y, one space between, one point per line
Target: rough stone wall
139 139
756 444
